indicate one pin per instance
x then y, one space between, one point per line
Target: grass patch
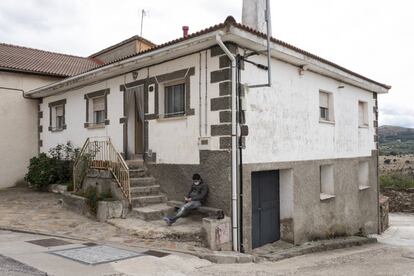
396 181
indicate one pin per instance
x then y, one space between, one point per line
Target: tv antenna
143 13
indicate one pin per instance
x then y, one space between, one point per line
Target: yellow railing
100 153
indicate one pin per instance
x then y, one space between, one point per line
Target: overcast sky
371 37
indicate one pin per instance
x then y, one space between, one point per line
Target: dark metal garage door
265 208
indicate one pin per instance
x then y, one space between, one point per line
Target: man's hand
187 199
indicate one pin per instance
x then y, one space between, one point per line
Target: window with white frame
57 115
174 98
98 109
363 175
327 182
326 106
362 114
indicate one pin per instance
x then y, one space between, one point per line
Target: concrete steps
145 190
152 212
141 201
143 181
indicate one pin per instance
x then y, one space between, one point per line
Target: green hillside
396 140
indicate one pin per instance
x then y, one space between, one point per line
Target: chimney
185 31
254 14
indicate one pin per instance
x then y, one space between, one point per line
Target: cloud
375 39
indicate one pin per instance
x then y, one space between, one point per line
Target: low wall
384 211
401 200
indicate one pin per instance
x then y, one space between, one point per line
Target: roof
24 59
230 21
133 38
126 63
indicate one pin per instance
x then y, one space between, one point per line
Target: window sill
96 126
326 196
57 130
361 188
326 122
172 117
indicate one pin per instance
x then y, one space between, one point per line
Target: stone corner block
217 233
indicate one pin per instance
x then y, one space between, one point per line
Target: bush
396 181
54 169
93 197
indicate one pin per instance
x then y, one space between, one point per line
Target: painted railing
100 153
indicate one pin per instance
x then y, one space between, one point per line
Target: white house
303 160
23 69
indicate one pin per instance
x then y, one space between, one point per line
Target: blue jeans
185 209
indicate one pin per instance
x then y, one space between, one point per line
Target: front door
265 208
135 121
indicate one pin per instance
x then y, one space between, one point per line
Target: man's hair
196 176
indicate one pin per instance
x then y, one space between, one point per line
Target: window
325 107
175 99
327 182
98 110
362 114
363 175
57 115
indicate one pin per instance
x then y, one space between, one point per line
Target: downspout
233 142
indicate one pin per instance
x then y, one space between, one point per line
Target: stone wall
401 200
384 210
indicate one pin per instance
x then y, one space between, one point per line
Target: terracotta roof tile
18 58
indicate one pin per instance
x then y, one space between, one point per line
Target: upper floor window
175 99
362 114
57 115
326 106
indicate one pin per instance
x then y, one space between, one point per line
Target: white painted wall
175 140
284 120
18 122
75 116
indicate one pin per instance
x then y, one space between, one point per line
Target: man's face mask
196 182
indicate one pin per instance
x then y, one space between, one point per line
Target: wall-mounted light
302 69
135 75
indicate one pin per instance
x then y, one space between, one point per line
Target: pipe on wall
234 196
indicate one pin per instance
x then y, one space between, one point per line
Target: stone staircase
148 203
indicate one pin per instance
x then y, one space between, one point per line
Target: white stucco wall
18 122
174 140
284 120
75 116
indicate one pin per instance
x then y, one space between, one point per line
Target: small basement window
327 182
363 175
362 114
326 107
175 99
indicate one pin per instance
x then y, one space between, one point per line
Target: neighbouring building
23 69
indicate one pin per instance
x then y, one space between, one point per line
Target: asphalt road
393 255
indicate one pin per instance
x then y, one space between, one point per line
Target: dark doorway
265 208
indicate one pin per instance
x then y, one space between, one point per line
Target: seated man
194 199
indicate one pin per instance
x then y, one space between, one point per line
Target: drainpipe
233 142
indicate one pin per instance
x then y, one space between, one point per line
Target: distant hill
396 140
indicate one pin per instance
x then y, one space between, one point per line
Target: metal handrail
100 153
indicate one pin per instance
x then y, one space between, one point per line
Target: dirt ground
400 163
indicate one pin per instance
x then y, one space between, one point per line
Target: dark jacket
198 192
